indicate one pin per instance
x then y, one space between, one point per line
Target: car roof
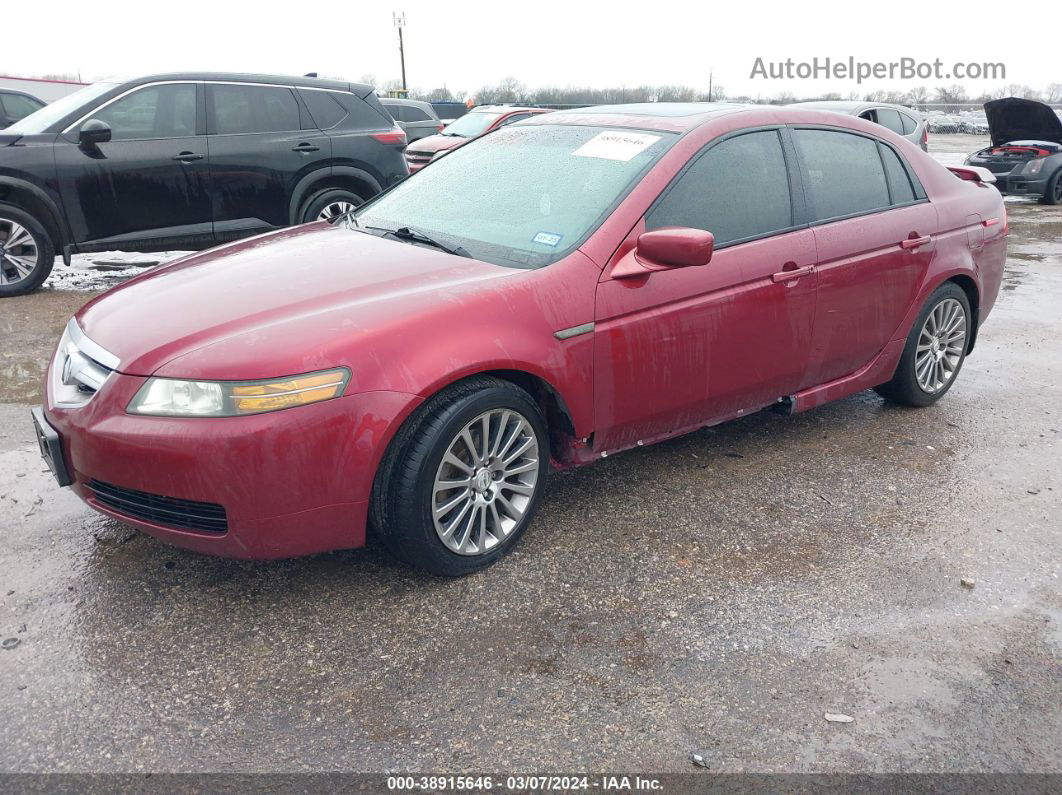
509 109
240 77
399 100
669 116
846 105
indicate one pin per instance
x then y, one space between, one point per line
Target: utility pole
710 69
400 22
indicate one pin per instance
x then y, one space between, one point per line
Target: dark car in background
1026 151
477 122
417 119
185 161
902 121
16 105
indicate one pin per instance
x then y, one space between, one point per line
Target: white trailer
44 90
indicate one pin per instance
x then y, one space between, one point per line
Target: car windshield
471 124
44 118
521 196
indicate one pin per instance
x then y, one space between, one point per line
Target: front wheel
463 477
329 204
26 252
1053 193
935 350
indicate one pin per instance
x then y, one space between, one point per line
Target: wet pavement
716 594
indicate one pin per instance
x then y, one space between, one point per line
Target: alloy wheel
485 482
18 252
335 209
941 344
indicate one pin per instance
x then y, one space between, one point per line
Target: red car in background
559 291
477 122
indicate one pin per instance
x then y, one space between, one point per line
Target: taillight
395 136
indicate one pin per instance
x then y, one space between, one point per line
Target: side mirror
663 249
94 132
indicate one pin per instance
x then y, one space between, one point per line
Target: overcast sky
465 45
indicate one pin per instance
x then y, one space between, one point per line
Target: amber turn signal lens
297 391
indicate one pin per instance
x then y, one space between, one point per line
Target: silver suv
417 119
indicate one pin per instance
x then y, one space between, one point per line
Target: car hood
1014 119
437 143
281 304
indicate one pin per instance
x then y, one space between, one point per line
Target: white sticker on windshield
616 145
550 239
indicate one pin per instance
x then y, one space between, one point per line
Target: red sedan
558 291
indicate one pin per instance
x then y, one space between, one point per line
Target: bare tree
951 95
1053 93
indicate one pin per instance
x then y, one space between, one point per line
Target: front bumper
292 482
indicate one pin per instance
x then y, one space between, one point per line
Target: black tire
401 506
904 387
1053 192
45 252
315 205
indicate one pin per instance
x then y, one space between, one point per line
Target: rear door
690 345
874 234
262 142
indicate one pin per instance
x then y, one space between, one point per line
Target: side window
166 111
413 113
253 109
899 182
843 174
909 123
887 117
736 190
394 110
18 107
324 107
515 118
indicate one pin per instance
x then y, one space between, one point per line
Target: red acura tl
562 289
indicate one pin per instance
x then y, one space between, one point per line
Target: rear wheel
1053 193
26 252
330 203
463 478
935 350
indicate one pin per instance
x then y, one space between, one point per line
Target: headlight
1034 166
170 397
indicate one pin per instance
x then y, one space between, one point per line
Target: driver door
688 346
148 186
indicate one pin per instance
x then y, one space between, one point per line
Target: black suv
185 161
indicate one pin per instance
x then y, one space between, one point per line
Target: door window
899 182
166 111
515 118
241 109
18 107
738 189
909 124
324 107
843 173
887 117
413 113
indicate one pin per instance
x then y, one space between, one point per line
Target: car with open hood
559 291
1026 151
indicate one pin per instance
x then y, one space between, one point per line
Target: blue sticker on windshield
550 239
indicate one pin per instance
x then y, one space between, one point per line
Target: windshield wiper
415 236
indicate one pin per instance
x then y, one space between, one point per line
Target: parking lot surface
715 595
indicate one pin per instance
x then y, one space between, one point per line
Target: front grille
205 517
80 368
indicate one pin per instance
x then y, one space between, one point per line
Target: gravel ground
717 594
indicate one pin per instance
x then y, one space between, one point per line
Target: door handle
794 273
187 157
305 147
915 242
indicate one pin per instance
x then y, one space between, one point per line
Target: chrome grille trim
80 368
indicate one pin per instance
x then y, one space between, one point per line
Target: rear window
843 174
241 109
324 107
18 107
413 113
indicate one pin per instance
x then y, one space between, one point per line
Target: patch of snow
105 269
